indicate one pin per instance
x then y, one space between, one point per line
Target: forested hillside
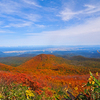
46 75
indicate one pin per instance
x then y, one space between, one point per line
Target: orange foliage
46 70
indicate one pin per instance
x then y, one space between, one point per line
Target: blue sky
49 22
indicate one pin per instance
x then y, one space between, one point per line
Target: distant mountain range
68 51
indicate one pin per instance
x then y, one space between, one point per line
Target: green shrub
15 92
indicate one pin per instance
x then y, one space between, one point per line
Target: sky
49 22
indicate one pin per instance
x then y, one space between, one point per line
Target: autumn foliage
44 72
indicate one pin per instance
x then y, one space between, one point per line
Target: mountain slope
6 67
43 61
46 64
50 64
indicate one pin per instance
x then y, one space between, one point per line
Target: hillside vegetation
14 61
46 76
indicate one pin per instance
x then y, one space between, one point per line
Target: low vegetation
46 77
24 87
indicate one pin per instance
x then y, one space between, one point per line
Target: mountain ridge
50 65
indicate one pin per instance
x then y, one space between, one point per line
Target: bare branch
98 51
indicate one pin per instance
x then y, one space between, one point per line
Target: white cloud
89 7
30 2
9 7
91 26
40 26
31 17
1 31
13 14
6 31
87 33
68 14
24 24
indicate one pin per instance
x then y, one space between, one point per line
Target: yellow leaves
76 88
29 94
89 79
1 96
93 82
66 89
69 83
97 74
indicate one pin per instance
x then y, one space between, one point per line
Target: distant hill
14 61
47 64
50 64
83 61
44 61
81 58
26 55
2 54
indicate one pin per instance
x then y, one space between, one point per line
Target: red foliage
46 70
8 78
